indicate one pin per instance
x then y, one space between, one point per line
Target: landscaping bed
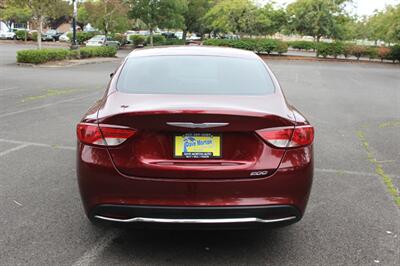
41 56
322 49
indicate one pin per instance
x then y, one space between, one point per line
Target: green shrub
323 49
82 36
266 45
372 52
157 39
174 42
34 56
101 51
137 40
119 37
245 44
330 49
347 49
302 45
42 55
74 54
219 42
20 34
394 54
33 36
258 45
281 48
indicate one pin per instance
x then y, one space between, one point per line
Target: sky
360 7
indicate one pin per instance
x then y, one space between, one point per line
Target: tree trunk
318 38
151 37
184 34
39 34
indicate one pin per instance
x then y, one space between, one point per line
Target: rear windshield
195 75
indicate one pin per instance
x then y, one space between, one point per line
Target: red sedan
194 135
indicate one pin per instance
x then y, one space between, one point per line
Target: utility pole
75 13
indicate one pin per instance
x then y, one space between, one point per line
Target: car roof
193 50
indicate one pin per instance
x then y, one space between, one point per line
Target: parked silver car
101 40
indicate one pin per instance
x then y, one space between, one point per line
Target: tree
317 18
237 16
384 25
40 9
353 28
159 13
196 9
106 15
269 20
16 14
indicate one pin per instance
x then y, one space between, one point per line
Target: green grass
379 169
49 93
390 124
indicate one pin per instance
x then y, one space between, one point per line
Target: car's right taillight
288 137
103 135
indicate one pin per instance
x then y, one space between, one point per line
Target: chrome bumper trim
196 221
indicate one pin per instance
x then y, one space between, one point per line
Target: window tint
194 75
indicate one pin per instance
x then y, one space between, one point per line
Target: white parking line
90 256
338 171
27 143
46 105
8 89
13 149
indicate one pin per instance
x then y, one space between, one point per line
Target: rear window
194 75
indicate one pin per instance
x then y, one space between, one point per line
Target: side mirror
111 74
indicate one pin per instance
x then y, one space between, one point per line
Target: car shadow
145 246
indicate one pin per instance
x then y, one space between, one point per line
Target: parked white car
8 35
194 37
64 37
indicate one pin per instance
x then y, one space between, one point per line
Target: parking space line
338 171
7 89
13 149
46 105
27 143
90 256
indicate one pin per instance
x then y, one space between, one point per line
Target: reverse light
292 137
103 135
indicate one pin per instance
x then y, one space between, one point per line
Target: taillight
103 135
288 137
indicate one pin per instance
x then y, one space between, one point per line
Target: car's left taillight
289 137
103 135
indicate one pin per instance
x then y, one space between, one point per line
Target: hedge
157 39
174 42
303 45
330 49
42 55
394 54
34 56
137 40
102 51
258 45
20 34
82 36
33 36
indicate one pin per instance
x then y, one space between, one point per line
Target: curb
319 59
70 63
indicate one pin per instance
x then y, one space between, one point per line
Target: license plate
197 146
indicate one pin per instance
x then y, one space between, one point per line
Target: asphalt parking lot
351 219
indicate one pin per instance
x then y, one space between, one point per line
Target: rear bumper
108 194
198 216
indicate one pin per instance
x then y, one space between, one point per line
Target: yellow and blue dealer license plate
197 146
